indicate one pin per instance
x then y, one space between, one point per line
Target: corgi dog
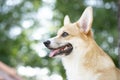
82 58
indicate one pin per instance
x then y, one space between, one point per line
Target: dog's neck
78 66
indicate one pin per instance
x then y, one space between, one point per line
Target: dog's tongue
53 53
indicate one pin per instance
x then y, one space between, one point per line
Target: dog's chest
75 71
77 75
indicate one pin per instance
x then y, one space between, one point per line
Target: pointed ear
66 20
85 21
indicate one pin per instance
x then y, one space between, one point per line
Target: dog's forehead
70 28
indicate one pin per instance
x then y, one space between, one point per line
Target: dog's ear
85 21
66 20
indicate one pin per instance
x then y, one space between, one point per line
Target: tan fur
87 61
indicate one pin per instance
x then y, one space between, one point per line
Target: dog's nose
47 43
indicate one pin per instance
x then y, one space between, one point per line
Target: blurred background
25 24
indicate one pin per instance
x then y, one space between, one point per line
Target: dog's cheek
77 42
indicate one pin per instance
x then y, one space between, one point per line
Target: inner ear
66 20
85 21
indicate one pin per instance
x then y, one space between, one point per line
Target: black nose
47 43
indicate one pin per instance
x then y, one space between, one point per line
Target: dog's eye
64 34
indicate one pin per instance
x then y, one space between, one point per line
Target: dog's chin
62 50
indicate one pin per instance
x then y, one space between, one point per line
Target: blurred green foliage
11 15
17 50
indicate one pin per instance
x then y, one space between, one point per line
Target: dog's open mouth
66 50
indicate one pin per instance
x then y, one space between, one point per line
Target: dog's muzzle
62 50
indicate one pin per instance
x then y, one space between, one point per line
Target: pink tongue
52 53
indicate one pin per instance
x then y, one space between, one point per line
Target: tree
13 38
119 30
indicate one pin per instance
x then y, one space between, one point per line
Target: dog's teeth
66 48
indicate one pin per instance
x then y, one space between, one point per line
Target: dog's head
72 36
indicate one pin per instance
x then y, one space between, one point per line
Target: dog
82 58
